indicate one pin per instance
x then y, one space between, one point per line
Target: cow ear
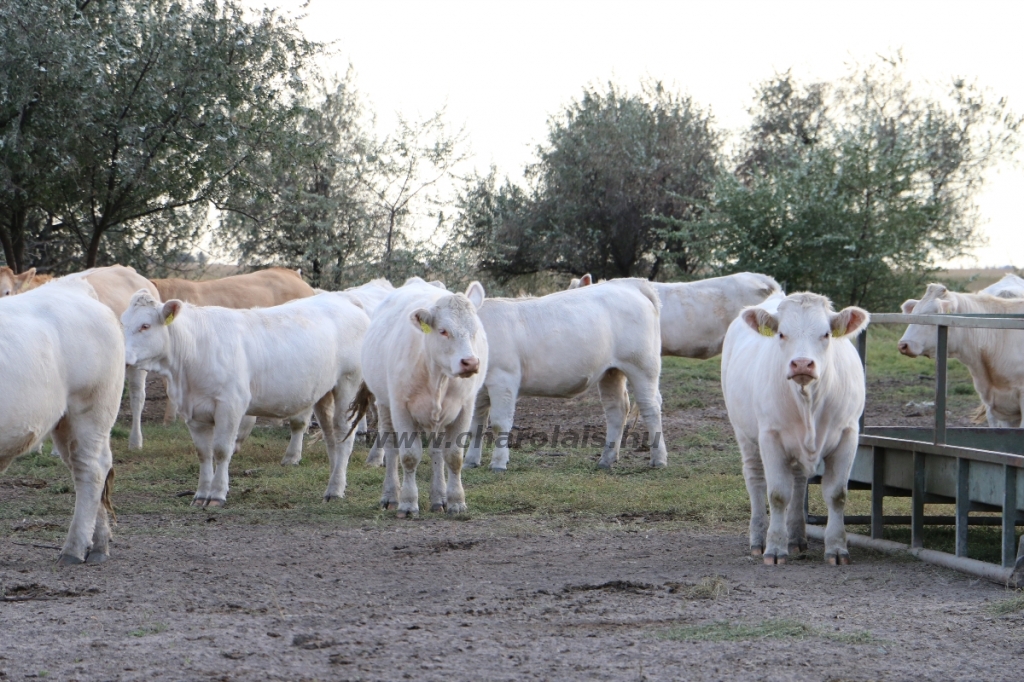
586 280
475 294
908 306
849 321
24 278
945 306
761 321
422 320
170 310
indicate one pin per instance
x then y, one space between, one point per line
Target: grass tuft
1007 606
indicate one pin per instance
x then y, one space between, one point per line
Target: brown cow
260 289
11 283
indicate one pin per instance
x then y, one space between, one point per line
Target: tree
857 190
616 169
167 100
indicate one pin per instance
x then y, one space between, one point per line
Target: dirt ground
442 600
222 597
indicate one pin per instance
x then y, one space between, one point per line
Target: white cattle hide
564 343
424 359
794 389
223 364
995 357
1010 286
62 372
695 315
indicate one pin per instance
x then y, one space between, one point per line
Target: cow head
805 327
920 339
145 322
452 329
11 283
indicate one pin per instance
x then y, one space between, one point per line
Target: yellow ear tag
838 333
425 327
170 318
765 330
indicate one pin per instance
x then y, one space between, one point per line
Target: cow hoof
199 502
839 558
289 462
97 558
757 551
328 498
134 445
470 465
68 560
215 503
437 507
659 465
403 514
498 470
774 559
603 465
798 547
390 506
458 508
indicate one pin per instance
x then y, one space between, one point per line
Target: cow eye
782 337
143 327
443 332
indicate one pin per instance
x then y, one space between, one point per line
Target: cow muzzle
468 367
905 350
802 370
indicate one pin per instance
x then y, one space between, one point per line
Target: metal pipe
902 520
940 384
963 503
1002 576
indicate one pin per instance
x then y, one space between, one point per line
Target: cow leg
202 437
779 479
648 399
298 425
137 398
225 431
753 476
244 430
170 413
89 461
477 426
386 435
796 519
438 482
338 451
100 550
375 457
410 452
455 493
612 387
834 489
503 396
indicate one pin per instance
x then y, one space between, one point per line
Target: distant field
975 279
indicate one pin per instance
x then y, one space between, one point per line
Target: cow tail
108 487
980 415
357 409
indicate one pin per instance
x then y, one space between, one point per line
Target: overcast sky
502 68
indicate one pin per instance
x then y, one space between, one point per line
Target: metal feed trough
977 469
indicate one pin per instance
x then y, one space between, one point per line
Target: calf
995 357
424 359
794 389
62 371
695 315
11 283
223 364
564 343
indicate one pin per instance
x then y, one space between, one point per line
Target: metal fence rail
975 469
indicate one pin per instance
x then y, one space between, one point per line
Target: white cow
424 359
695 315
1010 286
995 357
370 296
222 364
564 343
794 389
62 372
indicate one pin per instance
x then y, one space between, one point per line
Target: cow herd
442 368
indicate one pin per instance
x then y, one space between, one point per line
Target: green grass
1007 606
724 631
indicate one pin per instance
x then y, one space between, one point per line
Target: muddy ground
222 597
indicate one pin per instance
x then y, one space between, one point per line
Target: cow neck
809 401
977 348
181 355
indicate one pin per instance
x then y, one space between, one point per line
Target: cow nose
801 366
469 365
904 347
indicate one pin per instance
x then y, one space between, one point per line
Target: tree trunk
94 248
